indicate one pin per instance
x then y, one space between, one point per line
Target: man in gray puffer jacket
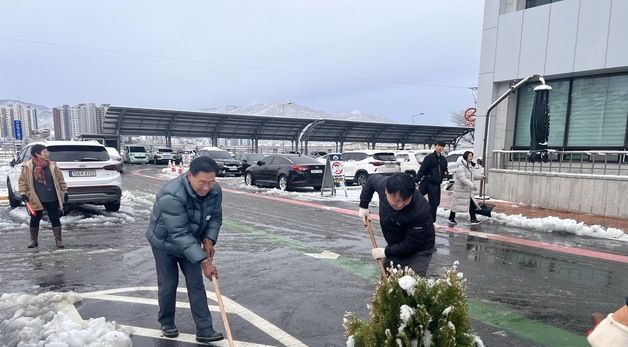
183 229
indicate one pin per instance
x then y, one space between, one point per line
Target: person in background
182 232
464 186
405 219
431 174
41 184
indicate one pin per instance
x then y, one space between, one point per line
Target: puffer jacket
26 185
464 186
407 231
181 219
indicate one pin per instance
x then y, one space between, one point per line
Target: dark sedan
286 171
249 159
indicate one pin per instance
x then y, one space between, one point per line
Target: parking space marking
324 255
230 306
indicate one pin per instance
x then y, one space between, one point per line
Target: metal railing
592 162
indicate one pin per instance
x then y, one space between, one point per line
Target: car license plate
82 173
317 171
390 165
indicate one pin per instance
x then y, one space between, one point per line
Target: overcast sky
389 58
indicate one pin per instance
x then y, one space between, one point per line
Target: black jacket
407 231
433 168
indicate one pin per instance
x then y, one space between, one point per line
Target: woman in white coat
464 186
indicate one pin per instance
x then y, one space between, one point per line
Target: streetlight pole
416 115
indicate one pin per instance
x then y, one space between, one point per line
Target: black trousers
472 209
433 196
418 262
52 209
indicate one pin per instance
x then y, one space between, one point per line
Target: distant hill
293 110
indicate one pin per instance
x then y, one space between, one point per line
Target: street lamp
416 115
283 108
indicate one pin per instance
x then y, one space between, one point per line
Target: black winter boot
34 234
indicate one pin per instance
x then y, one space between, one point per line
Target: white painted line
230 306
155 333
324 255
144 301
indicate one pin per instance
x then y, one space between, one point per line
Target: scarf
38 173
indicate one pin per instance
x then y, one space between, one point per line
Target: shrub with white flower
409 310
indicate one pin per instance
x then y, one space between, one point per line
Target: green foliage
408 310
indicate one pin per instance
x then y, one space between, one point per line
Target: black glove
24 198
65 197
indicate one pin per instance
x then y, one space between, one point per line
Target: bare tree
458 119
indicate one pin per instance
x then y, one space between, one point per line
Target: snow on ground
49 319
134 205
549 224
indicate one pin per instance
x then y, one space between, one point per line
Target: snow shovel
374 244
483 209
223 313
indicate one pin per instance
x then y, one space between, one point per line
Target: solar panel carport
120 120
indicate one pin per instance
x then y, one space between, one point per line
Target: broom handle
374 244
223 313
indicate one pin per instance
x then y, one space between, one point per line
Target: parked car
249 159
92 177
331 156
227 165
317 154
359 165
410 160
135 154
286 171
161 155
116 157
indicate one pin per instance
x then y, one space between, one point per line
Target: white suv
92 177
161 155
359 165
411 159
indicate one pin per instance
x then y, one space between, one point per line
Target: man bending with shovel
182 232
405 218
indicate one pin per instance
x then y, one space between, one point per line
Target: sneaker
169 331
208 335
452 222
475 222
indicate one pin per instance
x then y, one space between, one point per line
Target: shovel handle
374 244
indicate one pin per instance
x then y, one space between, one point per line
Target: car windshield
304 160
403 157
137 149
384 156
164 150
219 155
70 153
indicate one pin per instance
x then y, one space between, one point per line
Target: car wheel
248 179
112 206
361 178
282 182
13 201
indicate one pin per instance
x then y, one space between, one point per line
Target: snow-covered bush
408 310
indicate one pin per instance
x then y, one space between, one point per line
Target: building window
595 117
535 3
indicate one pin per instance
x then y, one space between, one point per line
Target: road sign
470 116
17 129
337 169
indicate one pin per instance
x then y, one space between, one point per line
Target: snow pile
38 320
551 224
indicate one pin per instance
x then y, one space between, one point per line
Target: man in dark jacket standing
183 229
431 174
405 218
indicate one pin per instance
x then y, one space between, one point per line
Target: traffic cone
173 168
180 171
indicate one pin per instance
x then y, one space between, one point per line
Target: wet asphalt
263 267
